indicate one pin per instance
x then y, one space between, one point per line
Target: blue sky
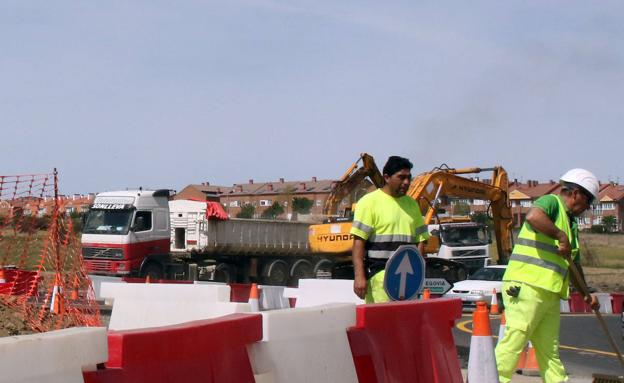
121 94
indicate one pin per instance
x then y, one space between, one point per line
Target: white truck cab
464 242
124 227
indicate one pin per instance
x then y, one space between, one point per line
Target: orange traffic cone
253 298
494 305
2 277
148 279
426 294
529 366
481 361
74 293
501 329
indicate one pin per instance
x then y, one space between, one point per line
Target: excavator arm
352 178
428 187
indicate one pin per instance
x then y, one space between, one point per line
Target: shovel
582 287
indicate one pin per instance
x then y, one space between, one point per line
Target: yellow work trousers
534 315
375 292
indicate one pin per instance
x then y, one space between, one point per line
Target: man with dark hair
384 220
537 276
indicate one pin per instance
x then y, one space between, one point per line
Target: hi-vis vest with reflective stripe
386 223
535 259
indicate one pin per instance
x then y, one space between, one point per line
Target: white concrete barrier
605 303
150 305
564 306
97 280
272 298
166 291
52 357
305 345
313 292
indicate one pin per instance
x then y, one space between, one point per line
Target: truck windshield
455 236
108 222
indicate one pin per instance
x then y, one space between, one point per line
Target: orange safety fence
42 276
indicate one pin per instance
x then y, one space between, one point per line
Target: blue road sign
405 273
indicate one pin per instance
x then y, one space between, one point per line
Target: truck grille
102 253
98 266
468 253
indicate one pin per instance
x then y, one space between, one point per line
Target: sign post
405 273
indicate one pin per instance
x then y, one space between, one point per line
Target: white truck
141 233
465 242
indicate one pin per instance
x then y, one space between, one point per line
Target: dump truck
145 233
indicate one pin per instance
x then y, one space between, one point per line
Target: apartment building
263 194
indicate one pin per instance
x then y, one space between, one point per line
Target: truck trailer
144 233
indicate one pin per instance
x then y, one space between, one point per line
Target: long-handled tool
580 284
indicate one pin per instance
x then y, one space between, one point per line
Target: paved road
584 348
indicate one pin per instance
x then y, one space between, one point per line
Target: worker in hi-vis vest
384 220
537 276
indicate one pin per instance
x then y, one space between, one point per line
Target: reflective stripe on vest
540 262
538 245
365 228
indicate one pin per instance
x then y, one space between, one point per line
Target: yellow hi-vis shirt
386 223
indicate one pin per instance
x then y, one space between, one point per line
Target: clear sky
162 94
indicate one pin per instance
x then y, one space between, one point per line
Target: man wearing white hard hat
537 276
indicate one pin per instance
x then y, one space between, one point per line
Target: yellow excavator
453 238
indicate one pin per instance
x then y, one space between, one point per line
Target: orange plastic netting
42 276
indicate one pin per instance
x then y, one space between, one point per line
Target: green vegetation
302 205
273 211
610 223
247 211
15 246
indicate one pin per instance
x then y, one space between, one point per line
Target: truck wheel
153 270
301 269
276 273
323 269
225 273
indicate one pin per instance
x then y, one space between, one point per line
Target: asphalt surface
585 349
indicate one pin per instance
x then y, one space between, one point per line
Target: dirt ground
605 279
10 323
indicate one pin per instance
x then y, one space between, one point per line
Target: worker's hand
565 249
592 301
359 287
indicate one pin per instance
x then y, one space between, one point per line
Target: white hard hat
584 178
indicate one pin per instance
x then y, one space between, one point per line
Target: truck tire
324 266
301 269
225 273
153 270
276 273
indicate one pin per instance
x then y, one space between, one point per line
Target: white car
479 286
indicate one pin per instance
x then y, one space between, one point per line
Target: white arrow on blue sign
405 273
